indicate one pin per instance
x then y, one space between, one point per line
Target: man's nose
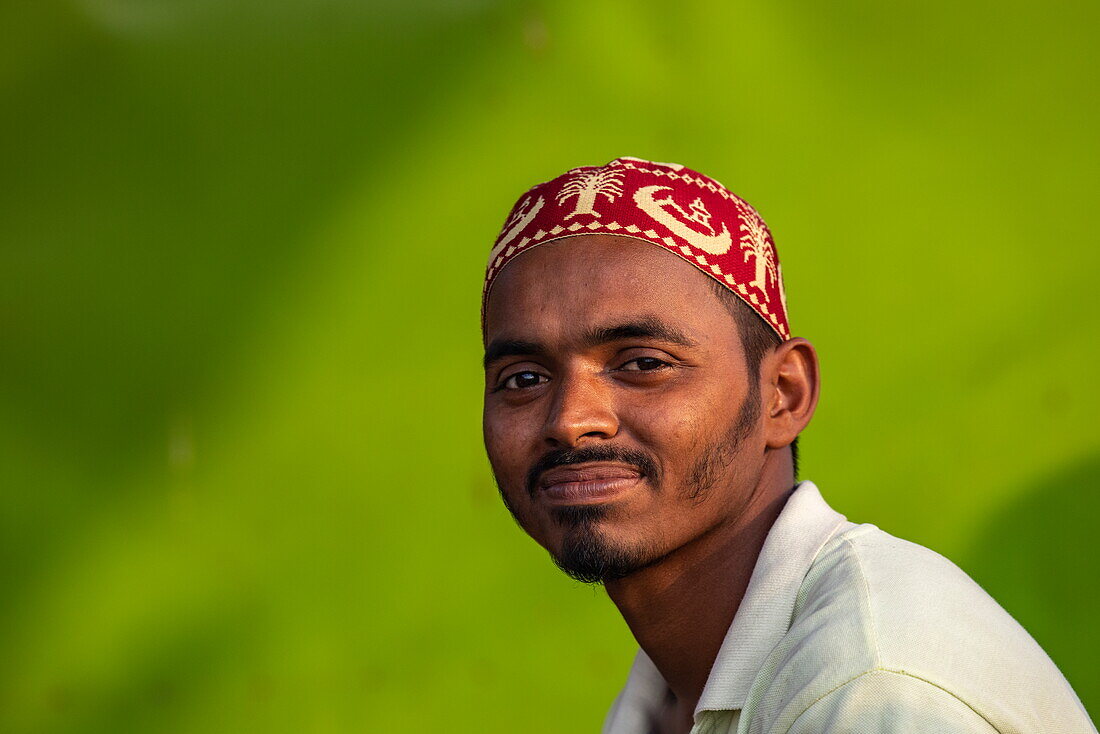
582 409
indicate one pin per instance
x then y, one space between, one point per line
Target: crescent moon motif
716 244
524 219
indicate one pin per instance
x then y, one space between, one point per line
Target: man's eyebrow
500 348
649 327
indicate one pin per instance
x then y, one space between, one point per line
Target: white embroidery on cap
523 215
673 166
754 242
715 243
587 186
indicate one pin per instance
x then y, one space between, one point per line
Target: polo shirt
845 628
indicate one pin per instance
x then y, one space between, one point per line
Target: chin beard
587 556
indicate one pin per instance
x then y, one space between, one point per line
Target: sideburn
717 457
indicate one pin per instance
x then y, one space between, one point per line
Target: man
643 400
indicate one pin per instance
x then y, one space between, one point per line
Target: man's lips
589 483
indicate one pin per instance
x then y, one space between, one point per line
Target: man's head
631 408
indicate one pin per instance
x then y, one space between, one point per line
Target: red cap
689 214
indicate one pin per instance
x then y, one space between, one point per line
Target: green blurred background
242 486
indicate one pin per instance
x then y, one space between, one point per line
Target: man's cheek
496 447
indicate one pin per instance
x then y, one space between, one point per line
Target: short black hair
757 339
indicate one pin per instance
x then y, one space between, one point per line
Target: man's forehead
584 283
601 259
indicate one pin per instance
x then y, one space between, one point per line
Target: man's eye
644 364
520 380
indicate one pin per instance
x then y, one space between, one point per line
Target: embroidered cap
689 214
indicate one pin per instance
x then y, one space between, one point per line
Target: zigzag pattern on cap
685 212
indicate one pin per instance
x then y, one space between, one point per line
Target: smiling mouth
586 484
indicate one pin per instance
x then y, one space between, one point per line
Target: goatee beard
587 556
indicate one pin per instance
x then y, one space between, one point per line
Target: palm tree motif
587 186
782 288
754 242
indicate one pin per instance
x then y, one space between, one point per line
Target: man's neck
680 609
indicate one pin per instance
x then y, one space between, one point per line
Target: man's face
619 417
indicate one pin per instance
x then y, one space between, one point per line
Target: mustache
640 460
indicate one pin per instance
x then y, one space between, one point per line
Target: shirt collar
803 527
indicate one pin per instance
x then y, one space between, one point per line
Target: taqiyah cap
690 215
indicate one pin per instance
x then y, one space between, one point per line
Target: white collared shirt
845 628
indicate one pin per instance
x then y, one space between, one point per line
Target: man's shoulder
873 605
902 604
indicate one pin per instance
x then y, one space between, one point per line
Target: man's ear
790 384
